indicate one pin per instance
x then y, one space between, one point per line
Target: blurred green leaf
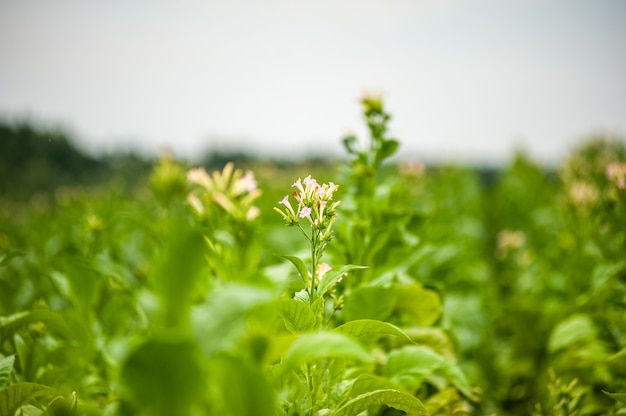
163 377
576 328
6 257
9 325
602 273
420 305
6 368
176 273
61 406
348 144
218 323
388 148
411 365
369 302
238 388
620 397
318 345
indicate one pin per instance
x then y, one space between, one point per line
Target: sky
468 81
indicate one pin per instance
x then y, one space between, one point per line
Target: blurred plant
367 162
563 399
168 179
223 203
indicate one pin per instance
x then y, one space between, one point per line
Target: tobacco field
366 286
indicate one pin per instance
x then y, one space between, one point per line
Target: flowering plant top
314 202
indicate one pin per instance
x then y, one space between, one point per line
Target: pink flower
322 207
298 184
305 212
616 172
200 177
245 184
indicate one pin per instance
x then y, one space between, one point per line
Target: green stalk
314 238
311 389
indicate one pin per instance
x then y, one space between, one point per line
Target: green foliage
16 395
413 290
391 398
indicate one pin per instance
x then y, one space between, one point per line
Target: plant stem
311 389
313 265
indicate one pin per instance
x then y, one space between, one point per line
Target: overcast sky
465 80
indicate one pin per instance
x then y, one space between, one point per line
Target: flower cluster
616 173
231 190
315 203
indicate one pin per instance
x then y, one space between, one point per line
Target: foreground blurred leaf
392 398
17 395
238 388
163 378
218 323
176 273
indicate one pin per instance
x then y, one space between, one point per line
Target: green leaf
388 148
604 272
6 367
418 304
6 257
414 364
348 144
435 338
370 302
17 395
620 397
392 398
177 272
323 344
620 355
238 388
61 406
297 315
365 383
364 328
575 329
220 322
300 266
333 275
9 325
164 377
